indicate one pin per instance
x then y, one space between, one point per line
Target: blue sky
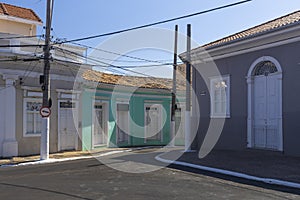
77 18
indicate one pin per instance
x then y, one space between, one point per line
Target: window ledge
31 135
220 116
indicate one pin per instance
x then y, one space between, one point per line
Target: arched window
264 68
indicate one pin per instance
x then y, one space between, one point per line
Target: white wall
1 120
13 27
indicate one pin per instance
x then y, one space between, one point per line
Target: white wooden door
67 125
122 123
260 111
153 120
272 93
100 133
266 100
179 126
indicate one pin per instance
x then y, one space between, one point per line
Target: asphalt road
123 176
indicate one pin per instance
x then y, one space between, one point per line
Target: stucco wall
136 109
1 114
17 28
31 145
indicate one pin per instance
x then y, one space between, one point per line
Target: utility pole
173 109
188 92
45 80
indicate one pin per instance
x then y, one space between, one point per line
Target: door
122 123
153 125
67 125
179 126
266 108
100 132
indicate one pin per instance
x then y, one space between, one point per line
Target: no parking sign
45 112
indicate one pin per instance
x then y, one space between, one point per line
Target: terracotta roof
15 11
133 81
280 22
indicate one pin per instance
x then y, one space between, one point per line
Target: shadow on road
44 190
148 159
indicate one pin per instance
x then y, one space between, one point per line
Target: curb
56 160
231 173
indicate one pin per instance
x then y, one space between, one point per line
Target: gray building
248 90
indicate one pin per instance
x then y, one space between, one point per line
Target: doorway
100 125
68 124
265 109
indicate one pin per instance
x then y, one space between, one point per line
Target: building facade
254 90
20 88
123 111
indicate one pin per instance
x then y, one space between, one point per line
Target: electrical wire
21 37
111 52
128 61
125 68
69 68
23 45
21 59
155 23
107 64
27 71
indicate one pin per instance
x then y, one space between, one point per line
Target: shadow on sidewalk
259 163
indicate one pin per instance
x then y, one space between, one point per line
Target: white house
20 89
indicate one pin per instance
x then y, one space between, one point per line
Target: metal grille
265 68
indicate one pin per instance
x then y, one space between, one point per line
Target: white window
32 121
220 97
153 122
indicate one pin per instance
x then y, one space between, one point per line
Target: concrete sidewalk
258 163
60 155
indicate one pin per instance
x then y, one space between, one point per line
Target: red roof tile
133 81
15 11
277 23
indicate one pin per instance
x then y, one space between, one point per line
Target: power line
21 37
141 66
22 45
21 59
128 61
132 57
67 64
107 64
111 52
35 51
156 23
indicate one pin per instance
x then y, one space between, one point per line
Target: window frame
25 101
213 113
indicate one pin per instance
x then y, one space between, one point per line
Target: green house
127 111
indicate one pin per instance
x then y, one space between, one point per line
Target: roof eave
21 20
248 37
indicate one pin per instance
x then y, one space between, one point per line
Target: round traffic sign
45 111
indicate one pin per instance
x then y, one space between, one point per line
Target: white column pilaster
10 144
250 117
